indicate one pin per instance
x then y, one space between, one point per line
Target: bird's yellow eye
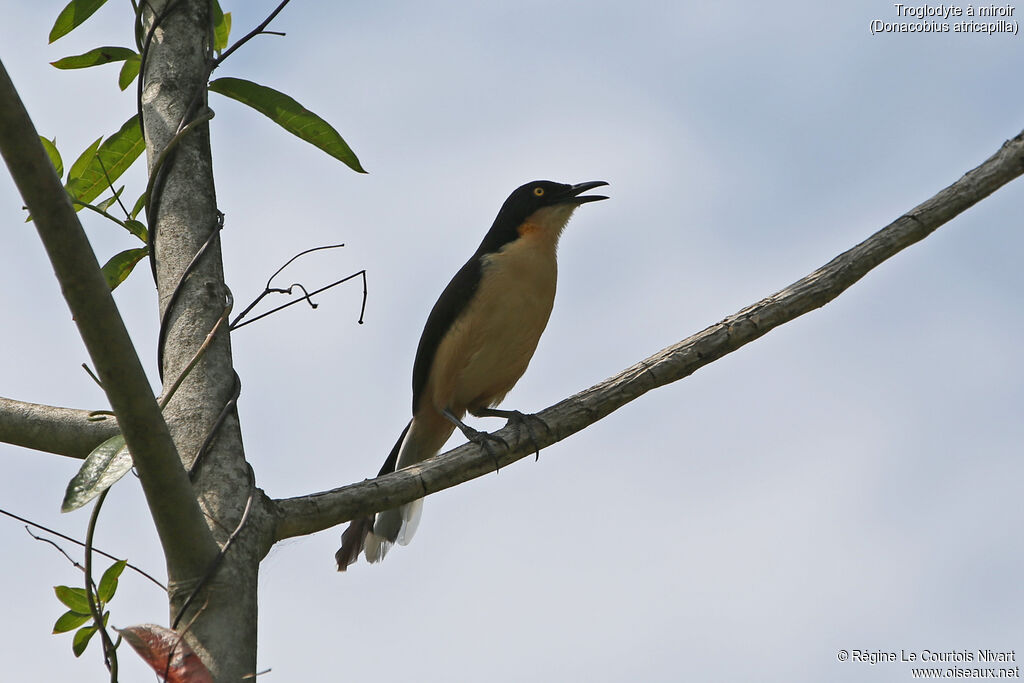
538 192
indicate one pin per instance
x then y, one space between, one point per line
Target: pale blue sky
852 480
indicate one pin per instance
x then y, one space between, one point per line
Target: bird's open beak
573 195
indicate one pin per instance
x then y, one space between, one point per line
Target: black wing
446 311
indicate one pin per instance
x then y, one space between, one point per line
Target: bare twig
77 542
251 34
74 562
269 289
362 310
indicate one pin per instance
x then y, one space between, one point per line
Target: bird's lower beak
573 195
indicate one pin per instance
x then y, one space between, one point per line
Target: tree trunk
183 214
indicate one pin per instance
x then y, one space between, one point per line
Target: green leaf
73 598
106 203
72 16
223 32
82 638
95 57
290 115
221 27
140 204
120 266
69 621
116 154
137 228
51 151
108 583
107 463
82 162
129 70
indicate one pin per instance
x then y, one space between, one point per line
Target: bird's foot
520 421
485 440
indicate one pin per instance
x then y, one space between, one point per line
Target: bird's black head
543 204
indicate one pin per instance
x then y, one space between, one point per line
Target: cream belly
491 343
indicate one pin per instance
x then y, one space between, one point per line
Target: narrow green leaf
140 204
72 16
224 31
73 598
51 151
82 638
95 57
129 70
221 27
290 115
107 463
69 621
108 202
137 228
115 154
120 265
83 160
108 583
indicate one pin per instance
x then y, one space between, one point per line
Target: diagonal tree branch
62 431
308 514
168 491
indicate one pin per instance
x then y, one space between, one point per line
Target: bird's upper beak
572 195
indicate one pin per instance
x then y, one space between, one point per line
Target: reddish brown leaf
165 650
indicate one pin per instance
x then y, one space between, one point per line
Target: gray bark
186 215
63 431
164 481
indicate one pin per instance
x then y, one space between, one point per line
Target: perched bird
478 340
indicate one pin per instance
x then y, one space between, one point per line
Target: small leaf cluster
94 171
79 611
102 163
105 160
75 14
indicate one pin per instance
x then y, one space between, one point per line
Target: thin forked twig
251 34
74 563
306 295
58 534
362 311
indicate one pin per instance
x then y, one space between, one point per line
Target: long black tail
354 537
